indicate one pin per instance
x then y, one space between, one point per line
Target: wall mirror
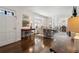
25 21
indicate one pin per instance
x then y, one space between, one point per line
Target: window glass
6 12
2 12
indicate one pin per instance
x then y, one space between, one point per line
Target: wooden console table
26 32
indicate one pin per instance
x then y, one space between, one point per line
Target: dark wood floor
39 44
19 46
11 48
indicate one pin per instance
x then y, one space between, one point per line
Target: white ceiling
49 10
52 10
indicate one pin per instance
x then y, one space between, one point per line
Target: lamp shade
73 24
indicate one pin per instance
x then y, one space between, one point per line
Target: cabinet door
11 29
7 30
2 30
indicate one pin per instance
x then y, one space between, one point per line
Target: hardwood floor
18 47
11 48
38 44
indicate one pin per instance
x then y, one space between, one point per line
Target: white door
7 30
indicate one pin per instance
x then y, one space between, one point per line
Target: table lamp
73 24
